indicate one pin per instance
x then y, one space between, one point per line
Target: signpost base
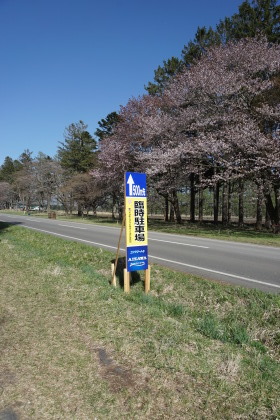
114 278
114 265
148 279
126 281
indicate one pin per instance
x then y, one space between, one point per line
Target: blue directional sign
135 184
136 221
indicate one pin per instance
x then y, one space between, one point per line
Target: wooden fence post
114 278
126 281
114 269
147 279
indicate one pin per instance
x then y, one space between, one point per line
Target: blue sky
68 60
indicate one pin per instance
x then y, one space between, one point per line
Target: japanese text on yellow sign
136 221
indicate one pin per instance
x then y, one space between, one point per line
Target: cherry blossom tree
216 120
7 194
214 124
119 152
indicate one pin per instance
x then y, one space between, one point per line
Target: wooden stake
114 280
147 279
126 280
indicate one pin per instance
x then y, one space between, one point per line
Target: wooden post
114 278
126 281
147 279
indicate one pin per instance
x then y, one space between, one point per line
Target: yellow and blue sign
136 221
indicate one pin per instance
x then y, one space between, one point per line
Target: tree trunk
277 204
121 211
80 211
65 207
259 214
166 209
172 214
176 207
192 199
200 204
267 220
229 201
71 205
48 203
225 203
216 199
272 211
241 203
113 205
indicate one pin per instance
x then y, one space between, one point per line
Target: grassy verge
248 233
73 347
232 232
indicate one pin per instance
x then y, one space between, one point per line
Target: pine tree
107 125
254 18
77 152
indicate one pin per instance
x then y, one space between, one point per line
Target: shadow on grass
134 275
5 225
8 414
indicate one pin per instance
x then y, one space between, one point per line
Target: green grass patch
74 347
248 233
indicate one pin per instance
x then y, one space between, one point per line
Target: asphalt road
231 262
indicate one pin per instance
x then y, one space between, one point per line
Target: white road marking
164 259
217 272
28 218
72 237
74 227
178 243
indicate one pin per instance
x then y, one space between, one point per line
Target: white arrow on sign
130 182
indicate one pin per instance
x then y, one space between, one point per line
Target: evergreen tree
26 157
8 169
254 18
204 38
162 75
107 125
77 152
261 17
